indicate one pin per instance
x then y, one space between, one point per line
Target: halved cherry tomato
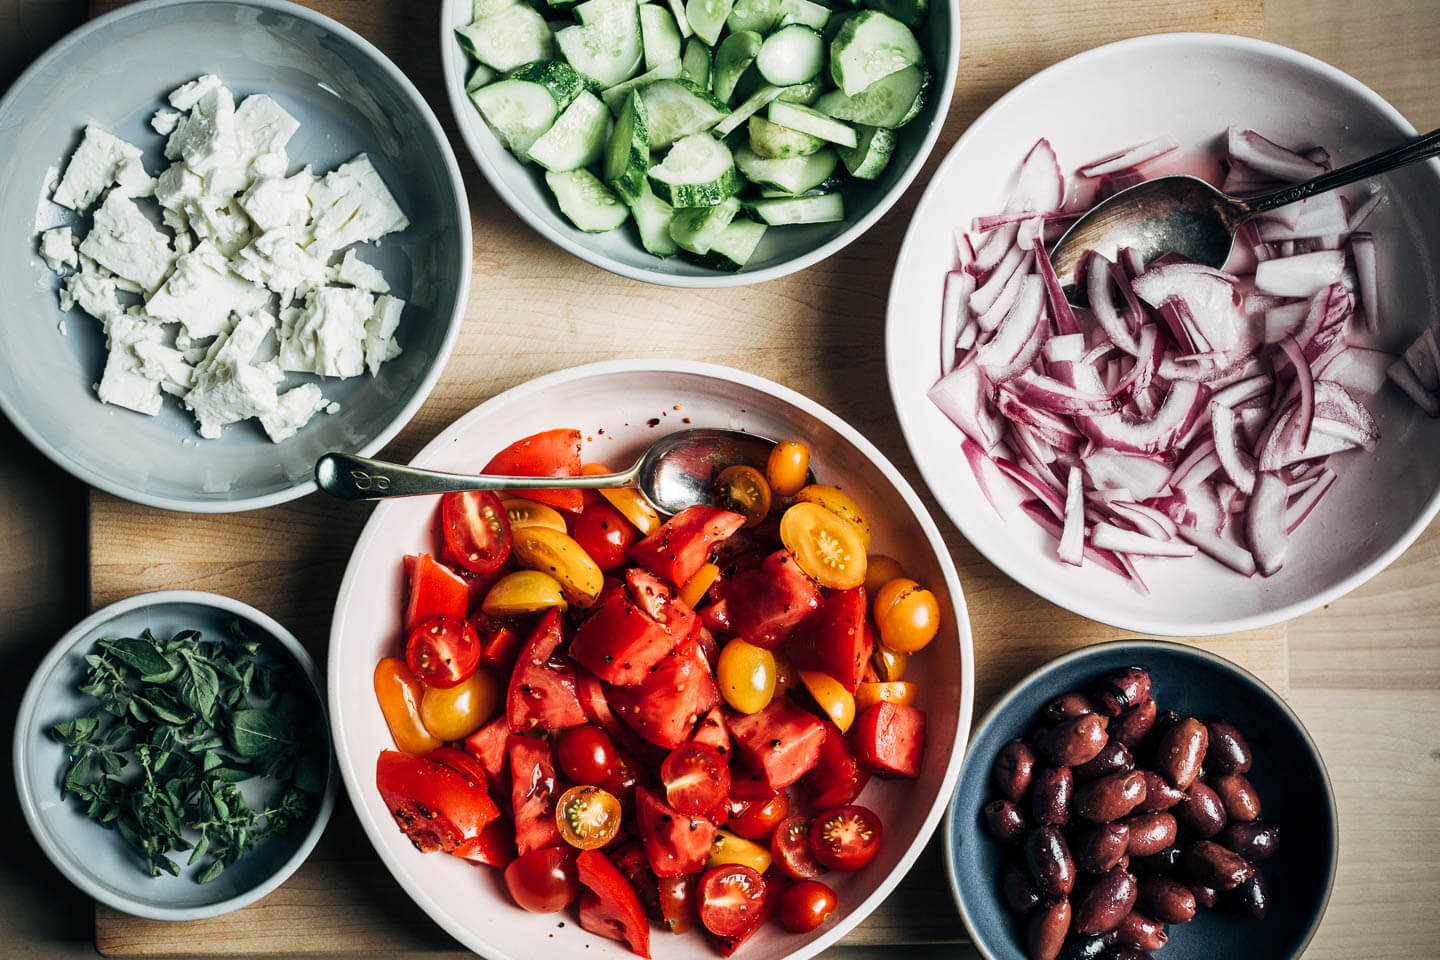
453 713
695 588
846 838
790 846
828 548
556 553
729 848
550 453
436 807
898 691
889 664
443 651
746 675
544 880
696 778
587 817
477 531
604 534
609 905
758 819
522 592
743 490
806 905
788 467
434 590
586 754
528 513
631 503
838 502
831 696
677 902
907 614
730 898
399 695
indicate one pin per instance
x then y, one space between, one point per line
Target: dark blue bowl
1288 774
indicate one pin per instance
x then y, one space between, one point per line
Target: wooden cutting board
534 309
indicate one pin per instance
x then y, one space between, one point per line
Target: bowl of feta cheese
238 238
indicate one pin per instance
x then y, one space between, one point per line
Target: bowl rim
939 805
30 702
458 198
460 105
1019 570
1046 669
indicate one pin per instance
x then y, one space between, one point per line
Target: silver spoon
675 472
1185 215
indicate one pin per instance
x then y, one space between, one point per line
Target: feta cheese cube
165 365
187 95
201 293
293 409
380 344
207 137
357 273
264 128
178 187
57 249
221 222
328 336
351 204
283 259
164 122
123 385
273 202
127 244
94 166
227 387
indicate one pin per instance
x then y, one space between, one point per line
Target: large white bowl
633 402
1192 86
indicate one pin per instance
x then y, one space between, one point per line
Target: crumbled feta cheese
207 137
380 344
283 259
123 385
57 249
293 409
164 122
328 336
357 273
178 187
351 204
201 293
165 365
221 222
92 292
127 244
227 387
95 165
332 407
273 202
264 128
187 95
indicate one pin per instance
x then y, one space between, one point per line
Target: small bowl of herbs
172 755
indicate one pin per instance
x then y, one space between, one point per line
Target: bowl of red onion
1199 450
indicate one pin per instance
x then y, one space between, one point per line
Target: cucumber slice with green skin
802 93
836 21
659 35
821 208
794 175
813 15
772 141
735 53
514 36
519 111
707 18
695 64
752 105
480 76
793 54
677 10
699 171
616 96
577 138
871 154
869 47
595 12
607 49
481 9
735 245
585 200
694 231
891 101
909 12
758 15
628 159
801 118
652 218
678 109
557 76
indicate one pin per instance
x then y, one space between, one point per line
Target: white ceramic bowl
1191 86
624 398
782 250
115 72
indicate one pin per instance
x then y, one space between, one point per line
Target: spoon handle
348 477
1411 151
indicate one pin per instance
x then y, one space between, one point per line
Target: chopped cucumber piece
652 218
658 35
513 36
677 10
836 21
891 101
557 76
735 53
518 111
802 93
821 208
585 200
772 141
871 154
695 64
616 96
869 47
677 109
813 15
577 138
791 174
793 54
696 229
758 15
746 110
593 13
735 245
707 18
628 159
699 171
797 117
909 12
608 48
480 76
481 9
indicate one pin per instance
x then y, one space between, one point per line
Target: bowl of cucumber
700 143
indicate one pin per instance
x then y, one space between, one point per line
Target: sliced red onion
977 459
1041 185
985 294
1050 428
1098 277
1242 391
1207 301
994 249
1341 415
1362 212
1357 368
1049 394
992 316
1067 349
1306 414
1144 477
1072 536
963 396
1145 519
1321 215
958 285
1060 310
1301 505
1303 275
996 220
1010 350
1267 157
1052 526
1107 536
1362 249
1232 461
1037 487
1265 530
1282 321
1233 555
1133 157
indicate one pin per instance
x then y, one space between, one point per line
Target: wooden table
1363 673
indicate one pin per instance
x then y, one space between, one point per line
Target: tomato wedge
495 847
834 639
674 695
712 733
629 857
846 838
731 897
533 791
434 590
677 902
782 742
609 906
443 651
790 848
543 691
476 528
757 819
620 642
500 642
463 764
681 546
762 606
837 778
696 778
674 843
890 739
437 808
488 746
550 453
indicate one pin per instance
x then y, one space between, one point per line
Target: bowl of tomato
567 717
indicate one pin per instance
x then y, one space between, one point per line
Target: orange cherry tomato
907 614
550 551
788 467
696 587
521 592
400 695
784 673
869 694
629 502
746 674
879 570
587 817
838 502
453 713
832 697
889 664
743 490
826 546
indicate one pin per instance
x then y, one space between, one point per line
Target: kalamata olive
1150 833
1205 896
1050 795
1132 725
1213 865
1181 751
1045 933
1013 770
1228 753
1088 948
1110 798
1251 898
1105 903
1238 795
1004 820
1124 951
1150 744
1067 706
1253 841
1200 811
1167 900
1164 863
1112 758
1074 741
1051 866
1138 930
1018 889
1159 794
1101 848
1122 690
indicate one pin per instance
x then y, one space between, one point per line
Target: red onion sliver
1106 536
1233 555
1299 276
1303 377
1072 536
1222 424
1362 249
1037 487
1133 157
1052 526
1362 212
958 285
1267 157
1265 523
1301 506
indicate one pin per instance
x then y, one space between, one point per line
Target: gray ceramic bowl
1288 773
782 250
98 861
115 72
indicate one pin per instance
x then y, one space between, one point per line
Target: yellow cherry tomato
453 713
524 591
788 467
631 504
889 664
556 553
728 848
907 614
743 490
746 674
528 513
587 817
869 694
838 502
784 673
879 570
400 695
827 548
832 697
695 588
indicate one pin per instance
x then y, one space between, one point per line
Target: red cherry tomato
443 651
477 532
790 848
586 755
605 534
804 906
622 781
731 897
846 838
544 880
677 902
696 778
758 820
